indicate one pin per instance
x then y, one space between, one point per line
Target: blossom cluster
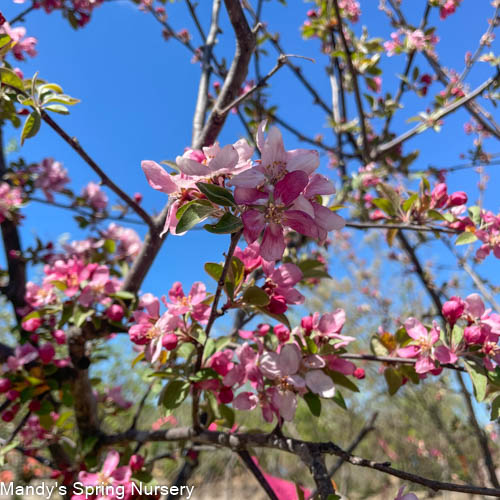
304 361
404 40
274 195
22 45
11 200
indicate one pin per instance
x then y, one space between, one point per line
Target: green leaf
340 379
339 399
57 108
313 403
217 194
31 126
174 393
408 204
88 444
124 295
312 268
457 335
234 276
475 214
435 215
227 224
203 374
495 409
465 238
228 415
393 379
377 347
384 205
255 296
213 270
193 214
209 349
478 377
8 77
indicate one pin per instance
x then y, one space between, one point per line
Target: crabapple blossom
95 197
52 177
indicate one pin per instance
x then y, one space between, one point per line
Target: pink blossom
453 309
407 496
95 197
193 303
23 354
99 286
10 201
128 242
23 45
110 474
51 177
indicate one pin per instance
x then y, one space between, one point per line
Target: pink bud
115 312
136 462
457 198
47 352
439 195
8 416
32 324
137 197
277 304
5 385
263 329
474 335
226 395
282 332
59 336
35 405
307 324
453 309
12 395
170 341
359 373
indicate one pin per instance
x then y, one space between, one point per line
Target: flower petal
320 383
289 359
288 189
302 159
158 178
273 243
253 222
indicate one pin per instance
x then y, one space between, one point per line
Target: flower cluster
22 45
178 323
95 196
476 329
10 202
413 40
51 177
281 192
304 363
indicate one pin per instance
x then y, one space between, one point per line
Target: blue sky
138 94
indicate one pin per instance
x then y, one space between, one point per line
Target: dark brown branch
85 403
410 227
240 441
211 320
245 45
20 16
354 77
257 473
75 145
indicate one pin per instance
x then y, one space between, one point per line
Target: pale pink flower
95 197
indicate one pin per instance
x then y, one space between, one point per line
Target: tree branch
245 45
240 441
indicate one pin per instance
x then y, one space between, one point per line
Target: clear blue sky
138 95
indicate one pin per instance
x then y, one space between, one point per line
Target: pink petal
415 329
287 404
111 462
254 223
445 355
302 159
273 243
288 189
287 275
269 365
301 222
320 383
327 219
245 401
191 167
475 305
410 351
226 159
332 322
424 365
245 151
88 479
273 151
248 196
158 177
289 359
319 184
249 178
122 474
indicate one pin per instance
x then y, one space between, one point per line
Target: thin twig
257 473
